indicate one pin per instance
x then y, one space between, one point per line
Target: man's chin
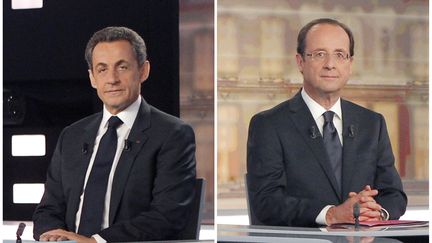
114 107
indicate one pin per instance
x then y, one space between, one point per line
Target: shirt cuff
321 218
384 214
99 239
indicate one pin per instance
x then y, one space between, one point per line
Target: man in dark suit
148 182
312 158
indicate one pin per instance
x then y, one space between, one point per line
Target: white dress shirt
317 113
128 117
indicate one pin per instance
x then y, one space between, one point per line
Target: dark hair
301 38
110 34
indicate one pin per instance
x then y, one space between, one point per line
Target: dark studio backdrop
45 78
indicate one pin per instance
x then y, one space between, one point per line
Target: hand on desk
369 208
61 235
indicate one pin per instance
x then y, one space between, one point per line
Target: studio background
46 85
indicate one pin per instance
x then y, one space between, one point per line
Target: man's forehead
327 35
118 62
121 49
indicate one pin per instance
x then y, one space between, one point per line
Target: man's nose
113 77
330 62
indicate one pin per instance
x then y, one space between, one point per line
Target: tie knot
328 116
114 122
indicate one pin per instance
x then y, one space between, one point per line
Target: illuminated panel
27 192
28 145
26 4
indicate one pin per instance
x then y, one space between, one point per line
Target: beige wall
257 70
196 30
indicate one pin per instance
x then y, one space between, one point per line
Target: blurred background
257 70
196 28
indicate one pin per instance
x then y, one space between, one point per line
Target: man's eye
320 54
340 55
101 70
123 67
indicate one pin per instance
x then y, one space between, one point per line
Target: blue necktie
95 190
333 146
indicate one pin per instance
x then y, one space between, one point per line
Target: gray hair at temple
110 34
301 39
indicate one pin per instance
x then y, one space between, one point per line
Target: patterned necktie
333 145
95 190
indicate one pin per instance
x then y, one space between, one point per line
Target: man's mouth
114 91
329 76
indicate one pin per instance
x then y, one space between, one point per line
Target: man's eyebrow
340 50
318 49
323 49
122 61
100 64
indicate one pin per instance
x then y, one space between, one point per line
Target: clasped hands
61 235
369 208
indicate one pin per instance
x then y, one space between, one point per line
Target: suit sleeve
50 213
269 197
387 180
173 193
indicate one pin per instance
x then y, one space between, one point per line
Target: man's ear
92 79
300 62
145 71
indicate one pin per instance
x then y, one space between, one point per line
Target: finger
62 238
367 219
363 218
371 214
365 199
372 219
367 188
364 210
368 206
53 238
371 205
368 193
352 194
57 232
61 233
43 238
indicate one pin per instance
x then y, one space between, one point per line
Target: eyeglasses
321 56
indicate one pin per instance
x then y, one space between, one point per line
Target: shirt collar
317 110
128 115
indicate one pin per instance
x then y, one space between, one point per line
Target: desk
255 233
9 228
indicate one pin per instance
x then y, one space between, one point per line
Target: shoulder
162 122
162 118
272 118
360 111
86 122
275 113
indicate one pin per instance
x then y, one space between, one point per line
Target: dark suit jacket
153 184
290 179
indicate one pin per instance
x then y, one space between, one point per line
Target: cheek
346 74
310 73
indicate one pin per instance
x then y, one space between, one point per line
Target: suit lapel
304 122
138 138
350 128
83 156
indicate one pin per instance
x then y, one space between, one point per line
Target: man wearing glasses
312 158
